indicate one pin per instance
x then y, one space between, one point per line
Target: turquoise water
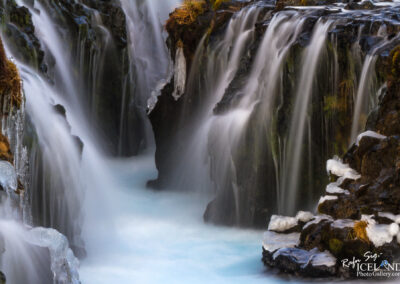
159 237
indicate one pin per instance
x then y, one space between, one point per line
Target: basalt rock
20 34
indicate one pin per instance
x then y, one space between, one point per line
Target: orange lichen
5 151
360 231
10 81
188 12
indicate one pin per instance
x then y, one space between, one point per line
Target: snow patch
281 223
304 216
273 241
317 219
333 188
369 133
380 234
391 216
324 258
335 166
343 223
327 197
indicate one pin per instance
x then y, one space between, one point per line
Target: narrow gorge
199 141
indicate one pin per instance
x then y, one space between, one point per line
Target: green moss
217 3
335 246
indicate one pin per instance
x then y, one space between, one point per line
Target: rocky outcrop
358 218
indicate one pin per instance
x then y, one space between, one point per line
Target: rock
2 278
20 34
310 263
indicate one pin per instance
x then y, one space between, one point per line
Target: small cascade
361 102
368 89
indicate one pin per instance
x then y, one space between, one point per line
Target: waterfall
213 132
258 94
148 57
290 175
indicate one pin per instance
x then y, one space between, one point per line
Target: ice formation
369 133
179 74
304 258
64 264
8 177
